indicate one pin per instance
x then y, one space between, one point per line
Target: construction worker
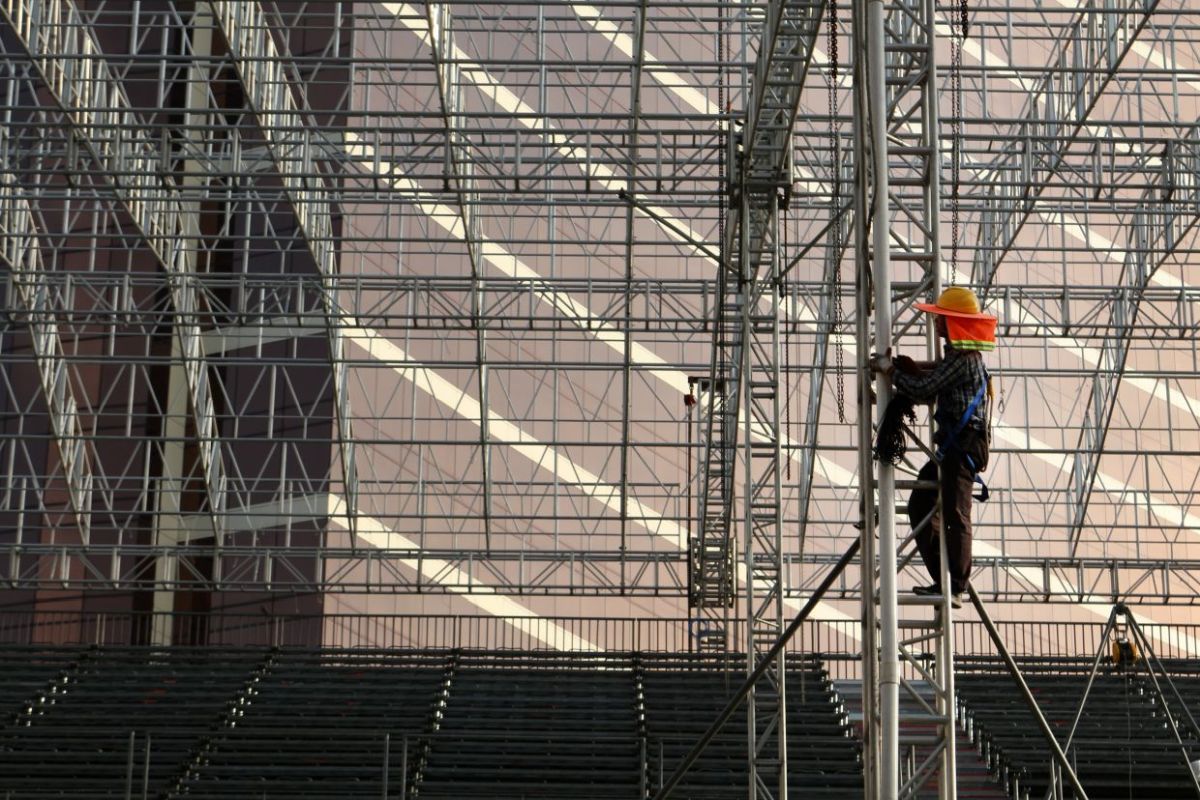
959 386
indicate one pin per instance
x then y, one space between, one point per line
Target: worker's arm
889 364
925 386
907 365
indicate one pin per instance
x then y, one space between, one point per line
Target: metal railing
835 640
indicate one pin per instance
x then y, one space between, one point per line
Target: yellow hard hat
957 301
966 327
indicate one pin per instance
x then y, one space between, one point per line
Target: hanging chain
721 110
956 48
782 290
836 210
722 195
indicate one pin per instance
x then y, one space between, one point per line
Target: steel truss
897 100
88 105
401 567
457 298
288 131
744 389
248 307
21 251
1057 112
459 172
1160 224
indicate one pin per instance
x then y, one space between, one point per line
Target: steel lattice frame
305 301
898 91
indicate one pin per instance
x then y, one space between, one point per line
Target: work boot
934 590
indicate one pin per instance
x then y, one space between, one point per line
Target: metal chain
722 194
721 188
956 48
782 290
835 210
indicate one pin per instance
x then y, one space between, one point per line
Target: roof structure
406 297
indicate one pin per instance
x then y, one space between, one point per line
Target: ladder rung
920 741
909 485
908 150
923 716
919 600
908 255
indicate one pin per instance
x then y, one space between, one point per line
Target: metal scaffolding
901 260
382 299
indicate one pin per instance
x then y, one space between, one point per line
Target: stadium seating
534 726
72 736
318 725
918 736
215 724
282 723
26 671
685 693
1124 743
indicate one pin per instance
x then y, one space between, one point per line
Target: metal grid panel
421 339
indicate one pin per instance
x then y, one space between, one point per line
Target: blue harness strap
952 439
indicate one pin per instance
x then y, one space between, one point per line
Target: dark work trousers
957 482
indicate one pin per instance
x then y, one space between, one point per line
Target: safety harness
952 439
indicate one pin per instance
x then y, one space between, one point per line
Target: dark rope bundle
889 439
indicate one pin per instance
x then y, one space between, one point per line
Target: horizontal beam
413 302
375 570
412 570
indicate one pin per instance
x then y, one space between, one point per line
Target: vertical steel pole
387 749
889 655
635 106
777 493
743 370
129 768
644 771
404 769
948 785
866 474
660 760
146 771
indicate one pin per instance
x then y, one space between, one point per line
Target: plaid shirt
953 382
